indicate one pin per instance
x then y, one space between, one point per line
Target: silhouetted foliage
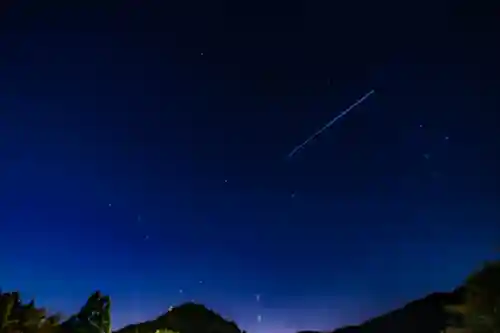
16 317
478 302
94 316
480 310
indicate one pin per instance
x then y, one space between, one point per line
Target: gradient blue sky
180 117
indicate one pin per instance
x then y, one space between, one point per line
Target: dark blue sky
143 151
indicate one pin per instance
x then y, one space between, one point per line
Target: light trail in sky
330 123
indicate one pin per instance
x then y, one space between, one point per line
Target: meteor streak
330 123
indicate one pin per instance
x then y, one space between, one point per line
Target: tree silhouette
481 310
25 318
94 316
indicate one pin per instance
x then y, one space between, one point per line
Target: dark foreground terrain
424 315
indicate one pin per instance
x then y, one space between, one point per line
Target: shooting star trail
330 123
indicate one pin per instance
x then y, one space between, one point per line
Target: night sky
144 148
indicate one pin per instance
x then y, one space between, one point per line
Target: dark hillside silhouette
469 309
426 315
186 318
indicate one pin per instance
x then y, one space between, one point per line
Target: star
259 318
257 297
421 126
446 137
146 237
225 180
180 291
109 205
201 53
200 282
